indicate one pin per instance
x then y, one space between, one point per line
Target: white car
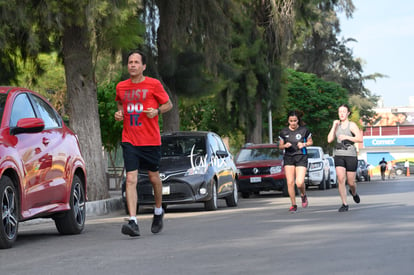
318 169
332 171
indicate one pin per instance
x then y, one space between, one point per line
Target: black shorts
296 160
350 163
141 157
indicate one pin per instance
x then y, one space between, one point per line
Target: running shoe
157 223
304 201
130 228
343 208
293 209
356 197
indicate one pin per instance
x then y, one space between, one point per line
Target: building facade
391 136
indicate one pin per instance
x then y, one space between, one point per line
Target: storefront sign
388 141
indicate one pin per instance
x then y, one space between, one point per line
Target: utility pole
270 127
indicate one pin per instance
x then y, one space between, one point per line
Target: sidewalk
402 177
104 207
93 208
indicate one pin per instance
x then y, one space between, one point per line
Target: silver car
332 171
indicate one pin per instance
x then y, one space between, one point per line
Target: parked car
195 167
401 170
318 169
260 168
362 173
332 171
42 172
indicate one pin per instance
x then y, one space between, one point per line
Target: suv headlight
315 166
275 169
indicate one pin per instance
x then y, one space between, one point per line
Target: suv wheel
285 190
211 204
9 213
233 199
73 221
322 185
399 172
328 182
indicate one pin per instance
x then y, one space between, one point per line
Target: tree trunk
256 133
171 119
83 107
166 60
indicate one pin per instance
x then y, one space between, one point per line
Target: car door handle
45 141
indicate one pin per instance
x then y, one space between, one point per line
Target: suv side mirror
28 125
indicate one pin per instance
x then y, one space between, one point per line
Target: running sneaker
293 209
130 228
343 208
157 223
304 201
356 197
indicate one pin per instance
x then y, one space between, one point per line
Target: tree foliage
187 31
318 50
78 31
317 99
110 128
222 62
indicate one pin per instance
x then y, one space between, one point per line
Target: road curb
93 208
103 207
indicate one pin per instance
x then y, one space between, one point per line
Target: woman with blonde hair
346 133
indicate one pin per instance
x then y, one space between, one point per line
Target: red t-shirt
139 130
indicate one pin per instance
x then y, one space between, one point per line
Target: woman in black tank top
345 133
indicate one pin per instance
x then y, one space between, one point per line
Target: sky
384 30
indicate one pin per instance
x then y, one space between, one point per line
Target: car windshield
174 146
3 98
313 153
252 154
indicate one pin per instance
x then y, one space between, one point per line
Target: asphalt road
258 237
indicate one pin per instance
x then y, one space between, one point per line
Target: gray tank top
346 147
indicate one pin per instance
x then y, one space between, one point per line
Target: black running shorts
350 163
141 157
296 160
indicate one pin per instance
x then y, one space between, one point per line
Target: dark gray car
401 170
362 173
195 167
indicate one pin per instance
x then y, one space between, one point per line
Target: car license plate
165 190
255 179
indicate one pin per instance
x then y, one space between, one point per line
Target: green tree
50 83
79 31
318 50
317 99
186 47
252 74
110 128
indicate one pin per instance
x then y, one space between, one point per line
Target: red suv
260 168
42 172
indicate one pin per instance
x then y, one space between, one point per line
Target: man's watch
159 111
